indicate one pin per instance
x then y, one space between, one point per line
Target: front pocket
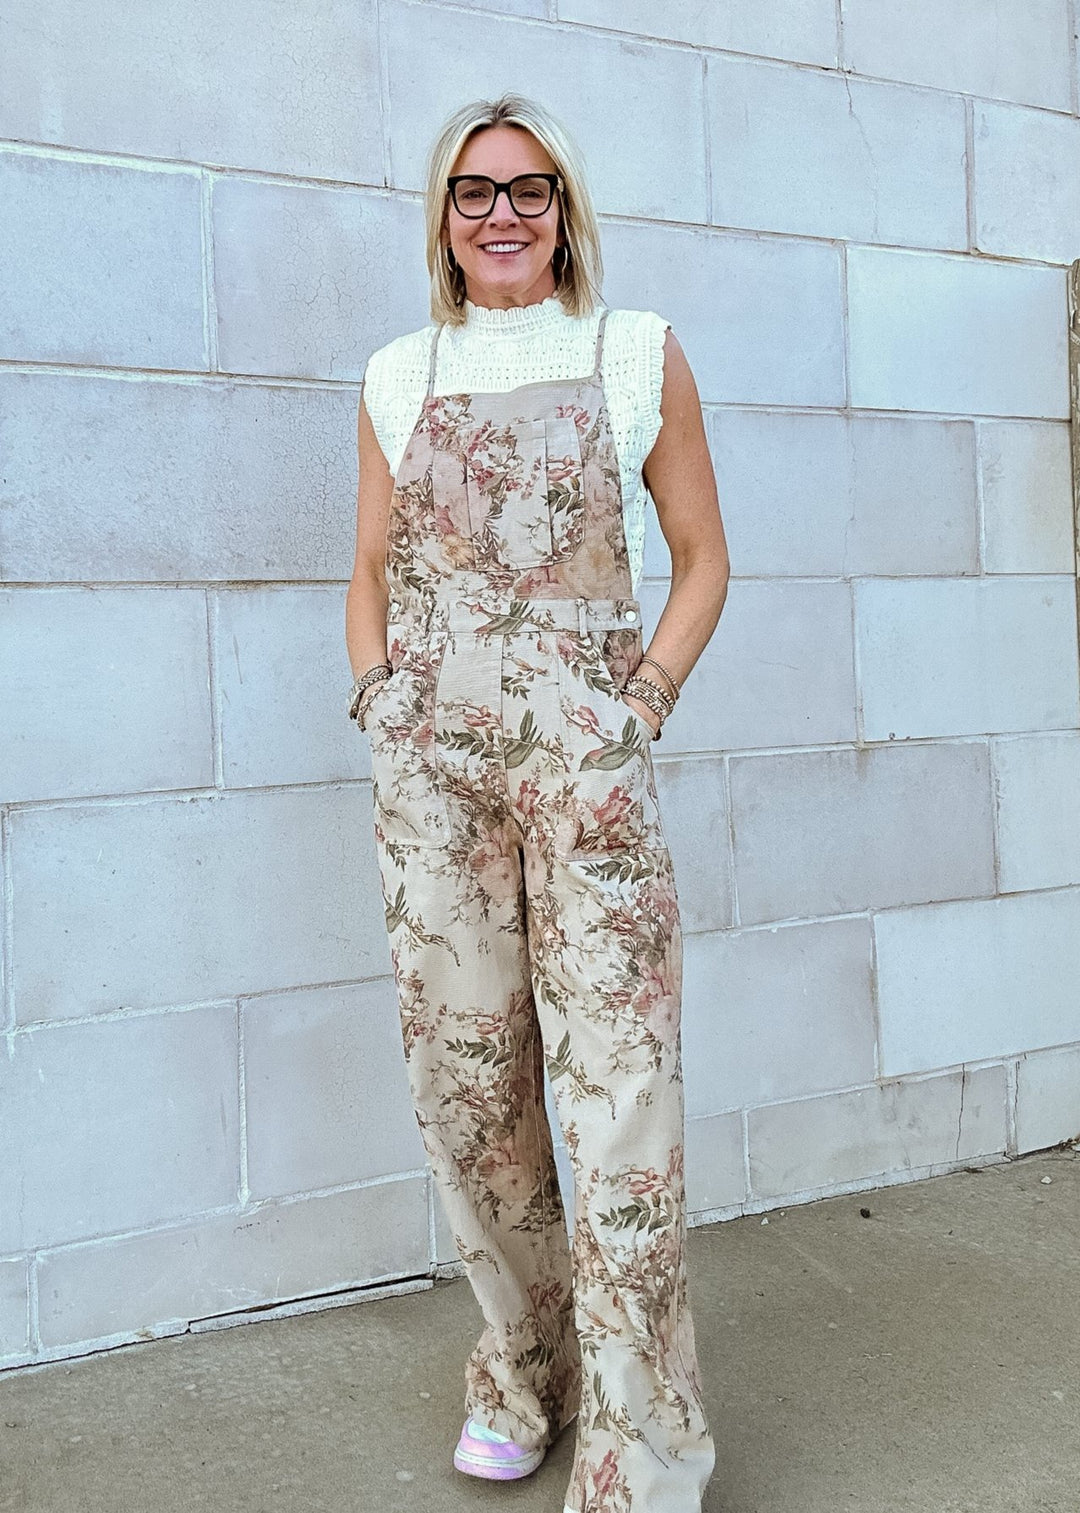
523 484
609 800
409 801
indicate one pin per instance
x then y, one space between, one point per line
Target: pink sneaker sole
494 1458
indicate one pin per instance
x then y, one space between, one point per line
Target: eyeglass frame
553 180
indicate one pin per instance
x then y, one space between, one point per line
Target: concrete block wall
857 214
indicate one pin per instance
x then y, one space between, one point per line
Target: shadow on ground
922 1359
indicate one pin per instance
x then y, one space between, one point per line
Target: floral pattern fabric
534 923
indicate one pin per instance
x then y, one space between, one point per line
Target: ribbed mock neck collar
519 320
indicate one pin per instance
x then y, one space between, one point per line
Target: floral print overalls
533 920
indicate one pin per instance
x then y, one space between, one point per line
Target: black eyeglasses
474 194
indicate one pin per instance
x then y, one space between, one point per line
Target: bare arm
367 599
680 478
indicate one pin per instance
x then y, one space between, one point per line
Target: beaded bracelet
674 686
652 695
374 674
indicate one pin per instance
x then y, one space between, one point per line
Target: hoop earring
560 271
451 260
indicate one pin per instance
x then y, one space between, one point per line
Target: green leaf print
562 1065
399 918
520 748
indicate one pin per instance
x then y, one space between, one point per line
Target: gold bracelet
675 687
652 696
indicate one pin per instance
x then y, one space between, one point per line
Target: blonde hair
579 280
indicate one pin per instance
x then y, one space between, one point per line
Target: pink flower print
481 719
641 1184
657 1002
581 417
614 813
559 469
528 798
606 1475
503 1173
496 872
423 734
585 719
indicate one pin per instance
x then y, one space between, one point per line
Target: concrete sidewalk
922 1359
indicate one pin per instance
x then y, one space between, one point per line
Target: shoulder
634 342
634 356
643 327
397 362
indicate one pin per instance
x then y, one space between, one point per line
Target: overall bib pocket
524 492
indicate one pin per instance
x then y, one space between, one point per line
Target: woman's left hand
641 708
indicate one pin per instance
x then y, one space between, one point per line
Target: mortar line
969 177
7 934
244 1187
217 752
383 55
210 312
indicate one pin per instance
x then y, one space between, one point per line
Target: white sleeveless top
496 350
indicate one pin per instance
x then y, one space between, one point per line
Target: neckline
594 377
518 320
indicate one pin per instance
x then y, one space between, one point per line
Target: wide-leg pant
535 921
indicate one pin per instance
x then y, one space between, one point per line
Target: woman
530 901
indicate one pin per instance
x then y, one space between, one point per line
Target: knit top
496 350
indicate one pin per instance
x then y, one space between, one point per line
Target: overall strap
598 359
431 366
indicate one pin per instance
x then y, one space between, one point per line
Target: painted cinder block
871 1132
828 832
819 154
224 1263
1047 1098
283 678
14 1311
310 279
977 979
103 692
715 1169
694 811
1037 790
829 495
776 1013
160 902
802 30
333 1058
943 657
170 481
652 165
749 351
1025 486
118 1125
238 85
1026 183
930 331
132 293
778 672
977 47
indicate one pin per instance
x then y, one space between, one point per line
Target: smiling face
505 257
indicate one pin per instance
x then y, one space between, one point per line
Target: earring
561 269
451 260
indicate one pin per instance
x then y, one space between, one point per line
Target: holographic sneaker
482 1452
